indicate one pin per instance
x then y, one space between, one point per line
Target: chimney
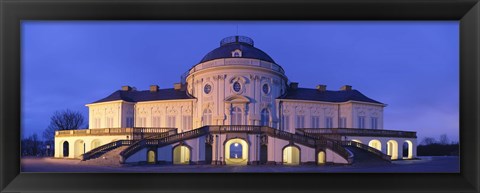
293 85
126 88
346 87
321 87
154 88
177 86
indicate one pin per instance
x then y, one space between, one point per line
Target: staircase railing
367 148
304 139
96 152
162 140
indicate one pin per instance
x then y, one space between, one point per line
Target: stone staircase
364 157
111 158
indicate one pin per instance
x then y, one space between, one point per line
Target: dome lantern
236 39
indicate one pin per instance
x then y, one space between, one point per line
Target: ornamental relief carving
254 77
330 112
300 110
315 111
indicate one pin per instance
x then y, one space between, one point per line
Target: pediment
237 99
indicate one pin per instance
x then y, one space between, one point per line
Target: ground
444 164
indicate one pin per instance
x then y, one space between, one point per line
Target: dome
231 44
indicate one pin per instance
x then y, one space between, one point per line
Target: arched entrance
407 149
151 157
95 143
321 158
291 155
79 148
181 155
392 149
65 148
375 144
236 152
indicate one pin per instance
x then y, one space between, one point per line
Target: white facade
240 89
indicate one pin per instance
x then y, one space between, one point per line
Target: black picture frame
12 12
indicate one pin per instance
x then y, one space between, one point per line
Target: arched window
265 119
207 117
236 116
65 149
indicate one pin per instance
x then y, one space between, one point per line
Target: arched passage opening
291 155
95 143
151 157
407 149
65 149
321 158
392 149
181 155
79 148
236 152
375 144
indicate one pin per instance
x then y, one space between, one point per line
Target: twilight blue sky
411 66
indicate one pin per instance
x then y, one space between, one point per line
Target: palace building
236 106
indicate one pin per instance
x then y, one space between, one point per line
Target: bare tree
428 140
62 120
444 139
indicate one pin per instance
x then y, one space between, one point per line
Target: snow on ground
446 164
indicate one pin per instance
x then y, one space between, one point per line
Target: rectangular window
171 121
156 121
142 122
328 122
109 122
315 122
187 123
285 122
374 122
361 122
300 121
97 123
343 122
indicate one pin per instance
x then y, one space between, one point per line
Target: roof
248 51
146 95
327 96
